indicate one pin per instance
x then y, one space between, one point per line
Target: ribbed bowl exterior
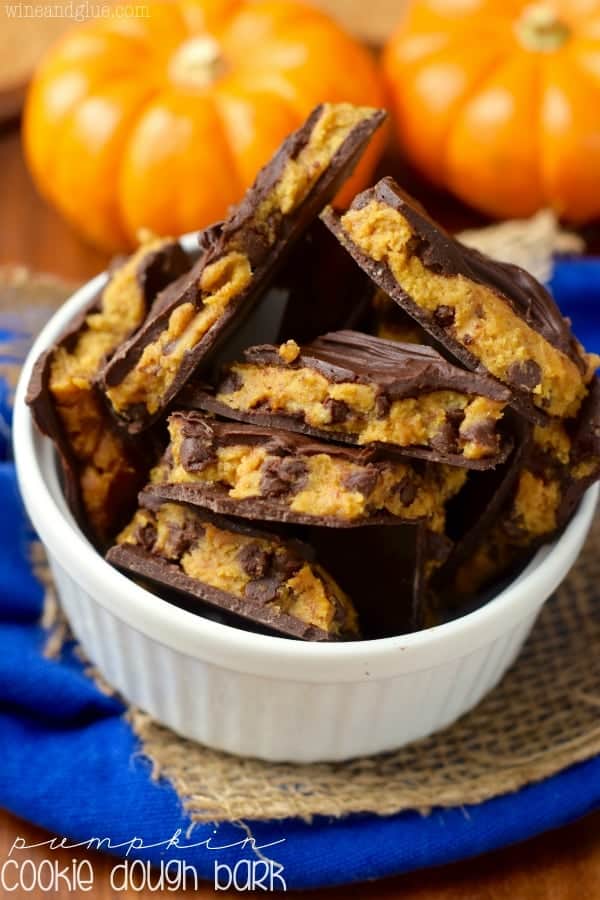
281 720
264 696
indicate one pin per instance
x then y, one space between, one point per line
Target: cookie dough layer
414 422
459 296
247 250
153 375
299 478
370 392
246 572
103 463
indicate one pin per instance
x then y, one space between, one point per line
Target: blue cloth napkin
576 288
70 762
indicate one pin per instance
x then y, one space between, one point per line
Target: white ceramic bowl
265 696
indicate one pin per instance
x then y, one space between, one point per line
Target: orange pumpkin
161 119
499 100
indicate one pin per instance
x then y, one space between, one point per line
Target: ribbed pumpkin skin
136 123
499 101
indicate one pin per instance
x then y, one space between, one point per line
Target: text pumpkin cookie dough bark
363 390
101 468
494 317
252 574
252 243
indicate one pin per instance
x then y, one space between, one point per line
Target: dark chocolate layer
400 370
326 290
387 571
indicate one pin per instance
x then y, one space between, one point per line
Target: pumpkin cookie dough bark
250 247
253 574
367 391
560 461
494 317
101 467
260 473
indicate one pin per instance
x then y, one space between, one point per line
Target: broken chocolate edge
340 167
134 559
384 278
215 498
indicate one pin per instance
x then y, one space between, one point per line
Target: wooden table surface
563 865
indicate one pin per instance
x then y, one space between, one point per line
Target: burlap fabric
542 718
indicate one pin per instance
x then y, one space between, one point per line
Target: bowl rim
232 647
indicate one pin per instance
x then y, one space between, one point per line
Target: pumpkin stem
540 29
197 63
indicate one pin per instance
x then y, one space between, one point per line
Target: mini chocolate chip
383 405
231 383
414 244
455 417
444 316
285 564
482 433
363 481
256 245
526 375
263 590
254 560
279 446
467 340
479 311
146 535
446 440
407 491
262 405
544 465
193 426
195 453
338 410
283 476
181 538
